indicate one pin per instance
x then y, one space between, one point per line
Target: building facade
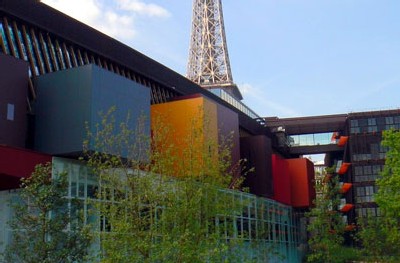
352 144
367 155
57 74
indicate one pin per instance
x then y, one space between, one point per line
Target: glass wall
269 229
311 139
5 216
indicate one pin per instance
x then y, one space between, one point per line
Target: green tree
380 235
388 196
326 226
44 229
165 209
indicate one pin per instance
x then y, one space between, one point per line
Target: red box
281 179
302 182
16 163
294 182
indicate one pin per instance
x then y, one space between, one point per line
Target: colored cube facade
293 181
281 180
190 124
71 100
302 184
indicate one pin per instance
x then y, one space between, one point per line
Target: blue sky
289 57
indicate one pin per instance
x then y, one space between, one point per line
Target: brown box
14 79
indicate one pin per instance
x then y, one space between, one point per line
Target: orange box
184 131
302 182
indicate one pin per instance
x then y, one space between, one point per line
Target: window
374 147
367 169
389 120
10 112
369 190
353 123
365 194
371 121
360 191
376 169
358 170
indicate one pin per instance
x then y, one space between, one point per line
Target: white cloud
118 26
142 8
97 15
115 19
87 11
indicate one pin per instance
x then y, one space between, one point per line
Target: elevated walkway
309 125
309 135
314 149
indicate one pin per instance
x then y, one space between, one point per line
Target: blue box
71 100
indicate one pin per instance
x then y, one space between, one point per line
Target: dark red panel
281 179
17 163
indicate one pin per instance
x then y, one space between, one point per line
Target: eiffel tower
208 63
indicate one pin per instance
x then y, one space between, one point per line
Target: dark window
353 123
389 120
371 121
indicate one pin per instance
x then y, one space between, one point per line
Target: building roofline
45 17
376 113
77 33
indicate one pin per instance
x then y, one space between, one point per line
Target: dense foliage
164 209
326 226
380 236
47 226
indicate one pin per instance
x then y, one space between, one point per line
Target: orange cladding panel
184 126
343 140
302 182
345 188
343 169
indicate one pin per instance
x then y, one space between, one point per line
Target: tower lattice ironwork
209 64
